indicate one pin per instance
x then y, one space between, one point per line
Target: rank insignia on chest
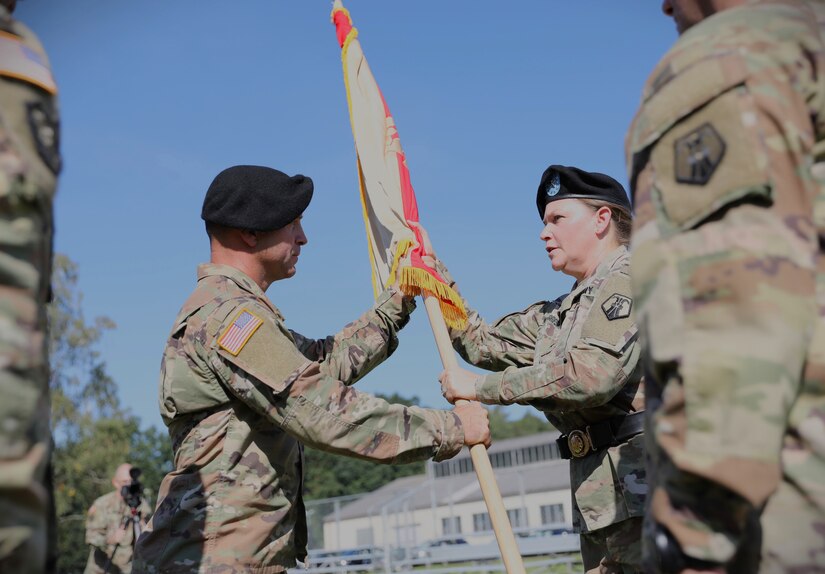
698 154
239 332
617 307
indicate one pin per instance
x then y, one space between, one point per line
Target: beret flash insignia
554 185
698 154
617 307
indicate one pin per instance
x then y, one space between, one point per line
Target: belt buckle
579 443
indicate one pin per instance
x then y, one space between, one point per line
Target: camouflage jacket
729 278
577 360
106 516
238 391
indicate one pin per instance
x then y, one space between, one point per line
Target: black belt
580 443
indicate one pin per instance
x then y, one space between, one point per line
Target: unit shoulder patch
238 333
45 127
617 306
698 154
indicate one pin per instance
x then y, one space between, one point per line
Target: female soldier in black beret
576 359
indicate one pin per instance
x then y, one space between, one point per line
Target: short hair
214 230
621 218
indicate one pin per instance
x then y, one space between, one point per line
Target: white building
447 501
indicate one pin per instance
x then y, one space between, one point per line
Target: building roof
423 491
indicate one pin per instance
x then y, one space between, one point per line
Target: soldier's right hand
475 422
427 245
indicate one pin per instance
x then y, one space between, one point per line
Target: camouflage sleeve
588 375
509 342
96 527
269 374
722 267
362 344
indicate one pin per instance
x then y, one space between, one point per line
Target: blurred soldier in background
29 164
110 524
725 159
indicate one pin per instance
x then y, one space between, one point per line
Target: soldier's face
687 13
570 236
121 478
279 250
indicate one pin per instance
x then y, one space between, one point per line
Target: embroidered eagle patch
698 154
239 332
617 307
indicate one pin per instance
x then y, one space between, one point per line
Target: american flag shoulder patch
239 332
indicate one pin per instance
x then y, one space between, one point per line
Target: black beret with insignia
561 182
256 198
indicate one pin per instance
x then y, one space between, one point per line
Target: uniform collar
240 279
234 274
605 267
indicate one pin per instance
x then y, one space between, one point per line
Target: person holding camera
112 521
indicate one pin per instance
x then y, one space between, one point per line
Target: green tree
501 426
93 433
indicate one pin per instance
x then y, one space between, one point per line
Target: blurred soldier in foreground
109 526
729 278
576 359
29 164
240 393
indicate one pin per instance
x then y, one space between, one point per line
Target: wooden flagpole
481 460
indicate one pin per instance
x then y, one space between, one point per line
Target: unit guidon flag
387 195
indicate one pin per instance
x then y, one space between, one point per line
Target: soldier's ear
250 238
603 216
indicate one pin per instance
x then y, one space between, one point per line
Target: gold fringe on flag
414 281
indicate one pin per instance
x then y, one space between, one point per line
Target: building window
502 459
481 522
451 525
531 454
465 465
517 517
552 514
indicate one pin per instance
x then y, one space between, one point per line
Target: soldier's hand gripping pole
481 460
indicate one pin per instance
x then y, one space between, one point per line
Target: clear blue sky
158 96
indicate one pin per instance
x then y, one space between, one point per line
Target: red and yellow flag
387 195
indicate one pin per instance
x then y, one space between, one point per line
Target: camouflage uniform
106 515
729 279
568 359
29 163
238 392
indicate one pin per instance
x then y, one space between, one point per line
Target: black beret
256 198
561 182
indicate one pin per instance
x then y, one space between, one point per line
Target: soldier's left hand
458 384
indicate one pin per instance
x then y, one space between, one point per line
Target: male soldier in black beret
240 393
